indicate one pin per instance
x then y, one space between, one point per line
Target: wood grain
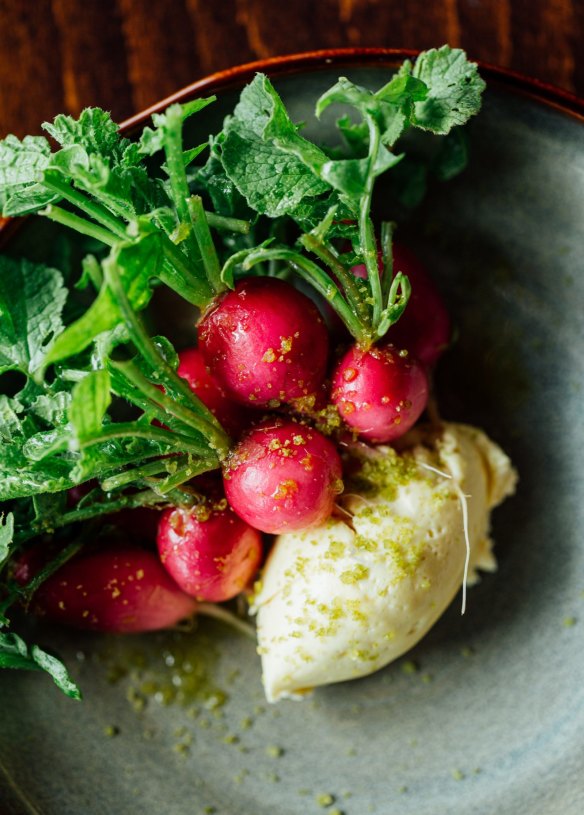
62 55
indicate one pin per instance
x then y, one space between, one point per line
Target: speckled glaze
487 714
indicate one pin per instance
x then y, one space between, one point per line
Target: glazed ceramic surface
486 715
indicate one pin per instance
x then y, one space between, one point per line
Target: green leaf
52 408
91 399
94 131
32 297
6 535
263 155
151 141
15 653
137 264
225 197
10 422
454 89
390 108
403 88
57 671
91 274
21 172
355 134
41 445
191 155
350 176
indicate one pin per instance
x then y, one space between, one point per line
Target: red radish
266 343
232 416
380 393
212 556
124 590
424 327
283 476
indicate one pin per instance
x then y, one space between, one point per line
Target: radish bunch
265 368
192 457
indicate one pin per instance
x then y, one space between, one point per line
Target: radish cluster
264 366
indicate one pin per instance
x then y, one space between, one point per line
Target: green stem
366 230
99 213
206 422
124 430
176 272
225 224
205 243
81 225
64 555
119 386
387 230
175 167
216 439
346 279
180 477
138 499
178 275
159 398
166 465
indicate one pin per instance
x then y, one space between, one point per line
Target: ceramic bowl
486 715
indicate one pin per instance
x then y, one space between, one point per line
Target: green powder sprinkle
325 799
111 730
354 575
568 622
410 667
273 751
458 775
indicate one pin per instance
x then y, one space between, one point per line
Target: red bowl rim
543 92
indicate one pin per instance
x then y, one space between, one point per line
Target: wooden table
62 55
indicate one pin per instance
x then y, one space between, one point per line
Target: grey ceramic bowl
487 714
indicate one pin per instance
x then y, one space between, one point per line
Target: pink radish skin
123 590
380 393
212 558
265 343
283 476
231 415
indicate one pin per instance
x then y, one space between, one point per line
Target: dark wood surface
62 55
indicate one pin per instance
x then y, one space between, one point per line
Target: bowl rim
296 63
351 57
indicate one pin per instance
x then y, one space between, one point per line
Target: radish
266 343
122 589
424 327
283 476
380 393
232 416
212 556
